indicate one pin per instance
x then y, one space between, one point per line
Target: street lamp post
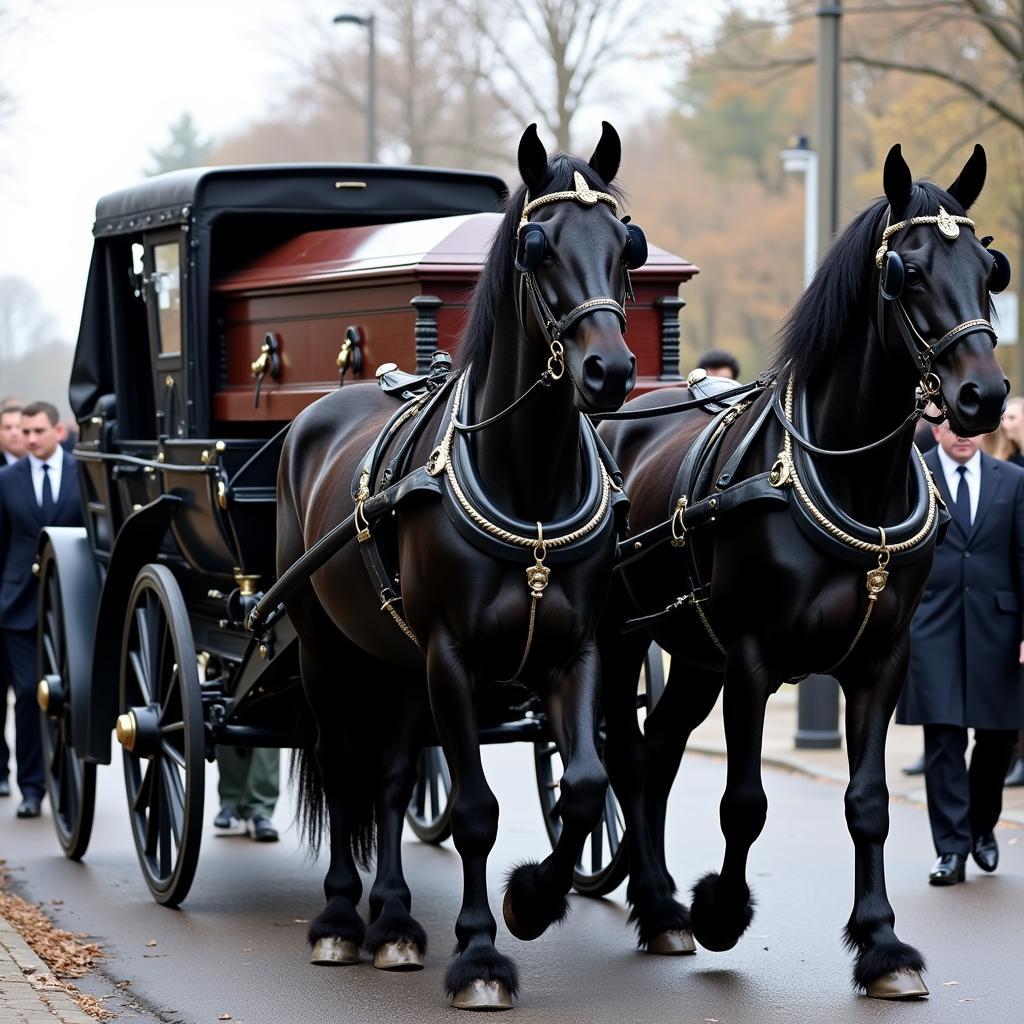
801 159
368 22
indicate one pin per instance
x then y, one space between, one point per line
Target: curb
19 966
793 764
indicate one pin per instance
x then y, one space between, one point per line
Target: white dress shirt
56 464
972 476
10 459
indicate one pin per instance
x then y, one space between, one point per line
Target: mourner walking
966 653
38 491
12 448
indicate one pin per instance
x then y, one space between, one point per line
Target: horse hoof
513 925
398 956
483 995
906 983
674 943
331 952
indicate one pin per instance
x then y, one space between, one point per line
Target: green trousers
249 779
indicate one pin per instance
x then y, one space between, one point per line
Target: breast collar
490 529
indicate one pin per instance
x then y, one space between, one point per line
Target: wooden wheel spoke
153 817
420 795
50 650
611 822
139 662
172 752
174 793
141 799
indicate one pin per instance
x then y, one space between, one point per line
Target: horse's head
573 256
936 279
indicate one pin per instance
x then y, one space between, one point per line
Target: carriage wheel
429 814
604 863
160 728
70 781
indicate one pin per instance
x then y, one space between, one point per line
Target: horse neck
529 462
857 399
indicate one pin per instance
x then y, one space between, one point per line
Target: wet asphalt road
237 945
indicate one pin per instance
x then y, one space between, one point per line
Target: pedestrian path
28 994
904 746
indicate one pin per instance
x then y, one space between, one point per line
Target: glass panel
167 289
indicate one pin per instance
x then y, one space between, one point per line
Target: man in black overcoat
966 652
37 491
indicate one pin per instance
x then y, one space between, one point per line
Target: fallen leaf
300 920
224 1016
57 903
122 984
949 983
247 949
151 942
966 999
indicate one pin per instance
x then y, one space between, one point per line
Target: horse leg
337 932
662 922
479 978
722 905
395 938
884 967
535 893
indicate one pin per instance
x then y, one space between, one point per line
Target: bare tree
25 323
973 50
563 50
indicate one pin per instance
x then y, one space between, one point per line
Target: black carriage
219 303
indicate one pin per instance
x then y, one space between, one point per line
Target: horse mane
496 278
834 304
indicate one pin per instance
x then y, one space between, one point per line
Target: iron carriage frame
142 611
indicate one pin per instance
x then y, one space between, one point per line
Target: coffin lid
439 246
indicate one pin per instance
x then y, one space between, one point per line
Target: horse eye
913 276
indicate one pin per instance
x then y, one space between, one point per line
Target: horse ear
897 181
967 187
533 161
608 154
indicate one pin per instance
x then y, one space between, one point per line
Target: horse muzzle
602 368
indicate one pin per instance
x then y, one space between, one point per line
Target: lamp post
367 21
801 159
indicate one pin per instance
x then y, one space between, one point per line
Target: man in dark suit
37 491
966 652
12 448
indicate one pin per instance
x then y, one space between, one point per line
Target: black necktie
962 507
47 502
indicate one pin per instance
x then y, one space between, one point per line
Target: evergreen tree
185 148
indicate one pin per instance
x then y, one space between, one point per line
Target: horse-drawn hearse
242 537
220 303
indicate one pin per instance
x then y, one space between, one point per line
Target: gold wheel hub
125 730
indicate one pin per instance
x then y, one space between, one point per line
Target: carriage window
167 291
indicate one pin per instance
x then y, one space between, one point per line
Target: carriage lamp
801 159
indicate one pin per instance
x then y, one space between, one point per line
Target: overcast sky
98 82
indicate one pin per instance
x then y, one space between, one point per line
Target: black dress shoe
986 852
917 768
226 817
1015 776
29 807
263 830
5 788
948 869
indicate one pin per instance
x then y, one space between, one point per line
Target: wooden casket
398 292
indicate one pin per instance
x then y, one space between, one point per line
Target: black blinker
635 254
892 276
531 248
999 278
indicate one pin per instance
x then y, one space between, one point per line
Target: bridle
923 353
529 253
527 289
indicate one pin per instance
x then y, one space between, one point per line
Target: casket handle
350 356
268 361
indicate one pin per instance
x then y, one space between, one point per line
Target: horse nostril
594 372
1006 386
968 399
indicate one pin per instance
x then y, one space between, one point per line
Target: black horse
504 571
771 574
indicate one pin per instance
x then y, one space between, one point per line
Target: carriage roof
336 194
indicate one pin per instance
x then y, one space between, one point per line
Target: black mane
840 297
496 278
